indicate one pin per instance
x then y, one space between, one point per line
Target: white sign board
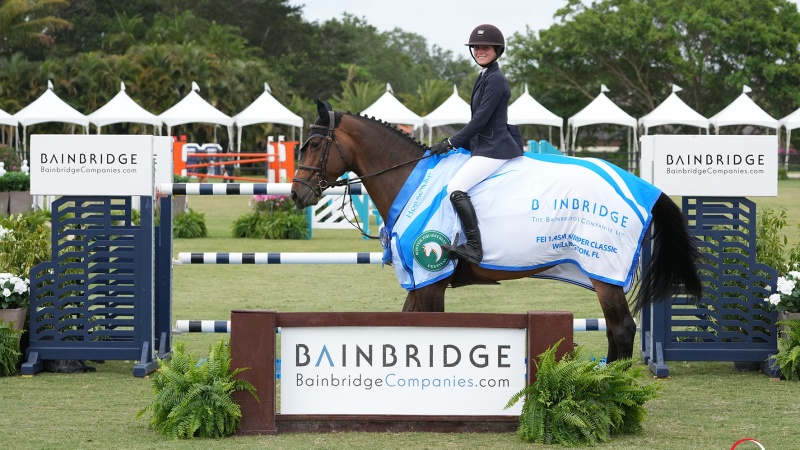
401 370
105 165
162 151
710 165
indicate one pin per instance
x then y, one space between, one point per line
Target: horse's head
322 159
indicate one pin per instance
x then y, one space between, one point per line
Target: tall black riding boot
471 250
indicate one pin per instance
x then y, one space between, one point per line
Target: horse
383 157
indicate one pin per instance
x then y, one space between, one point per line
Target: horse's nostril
294 195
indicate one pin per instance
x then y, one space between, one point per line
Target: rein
323 182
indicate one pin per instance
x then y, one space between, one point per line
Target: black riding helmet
487 35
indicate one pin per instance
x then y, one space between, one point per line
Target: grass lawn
705 405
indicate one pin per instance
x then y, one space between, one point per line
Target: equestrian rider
487 136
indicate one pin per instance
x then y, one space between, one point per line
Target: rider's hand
441 147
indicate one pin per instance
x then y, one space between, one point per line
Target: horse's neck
374 155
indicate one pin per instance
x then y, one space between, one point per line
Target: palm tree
26 24
357 96
430 94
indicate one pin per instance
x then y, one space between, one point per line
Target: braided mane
393 128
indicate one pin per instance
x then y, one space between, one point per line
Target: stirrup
451 248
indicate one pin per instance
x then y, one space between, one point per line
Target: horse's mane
337 118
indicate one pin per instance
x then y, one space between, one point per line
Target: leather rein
323 182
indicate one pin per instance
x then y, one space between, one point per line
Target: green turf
705 405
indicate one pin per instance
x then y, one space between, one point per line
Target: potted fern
9 349
194 398
788 357
577 401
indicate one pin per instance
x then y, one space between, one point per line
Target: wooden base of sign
253 346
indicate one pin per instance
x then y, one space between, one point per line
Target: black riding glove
441 147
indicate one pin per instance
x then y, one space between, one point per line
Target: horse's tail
673 264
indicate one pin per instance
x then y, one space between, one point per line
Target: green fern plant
577 401
192 224
788 357
9 349
194 398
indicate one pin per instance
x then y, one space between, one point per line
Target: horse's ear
322 109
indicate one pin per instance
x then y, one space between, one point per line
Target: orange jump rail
226 177
222 163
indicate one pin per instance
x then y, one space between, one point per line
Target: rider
487 136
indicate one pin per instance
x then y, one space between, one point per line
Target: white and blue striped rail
246 189
588 324
224 326
281 258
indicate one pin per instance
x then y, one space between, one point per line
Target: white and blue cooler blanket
585 215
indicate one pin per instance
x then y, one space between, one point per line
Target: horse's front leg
427 299
620 326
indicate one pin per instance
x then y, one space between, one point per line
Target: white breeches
475 170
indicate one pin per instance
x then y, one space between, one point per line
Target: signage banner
401 370
106 165
711 165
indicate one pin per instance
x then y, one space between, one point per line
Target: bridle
323 182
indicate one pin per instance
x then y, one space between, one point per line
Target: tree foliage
159 47
26 24
639 48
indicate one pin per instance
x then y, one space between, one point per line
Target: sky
446 23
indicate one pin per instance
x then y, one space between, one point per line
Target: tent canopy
743 111
265 109
526 110
452 110
49 108
603 110
673 111
121 109
193 109
7 119
789 122
389 108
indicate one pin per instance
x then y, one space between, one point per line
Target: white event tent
265 109
673 111
790 122
122 109
389 109
527 111
603 111
9 121
743 111
194 109
453 110
48 108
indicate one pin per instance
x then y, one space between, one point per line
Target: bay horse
383 157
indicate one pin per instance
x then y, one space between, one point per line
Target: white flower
774 299
20 287
795 274
785 285
6 292
3 231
